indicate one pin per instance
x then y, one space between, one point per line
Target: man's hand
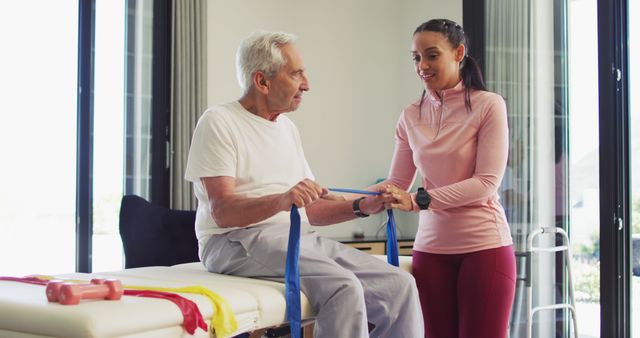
302 194
373 204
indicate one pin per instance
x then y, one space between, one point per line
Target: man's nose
304 86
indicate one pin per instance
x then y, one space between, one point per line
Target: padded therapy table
256 304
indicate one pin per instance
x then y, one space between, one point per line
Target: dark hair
469 69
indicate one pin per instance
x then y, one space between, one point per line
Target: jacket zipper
441 113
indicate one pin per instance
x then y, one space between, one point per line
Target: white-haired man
248 168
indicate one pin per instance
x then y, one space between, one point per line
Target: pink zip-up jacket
461 156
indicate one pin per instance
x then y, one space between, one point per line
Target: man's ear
261 82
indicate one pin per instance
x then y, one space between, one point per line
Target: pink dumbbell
55 285
53 290
70 293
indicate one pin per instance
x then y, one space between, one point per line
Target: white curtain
508 66
188 90
520 66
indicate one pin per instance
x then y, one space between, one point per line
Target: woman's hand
399 199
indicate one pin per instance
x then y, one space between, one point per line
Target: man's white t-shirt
265 157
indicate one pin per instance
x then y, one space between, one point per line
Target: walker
531 311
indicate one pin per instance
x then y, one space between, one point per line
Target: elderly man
248 168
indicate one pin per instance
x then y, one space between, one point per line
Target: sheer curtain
507 72
522 65
508 68
188 90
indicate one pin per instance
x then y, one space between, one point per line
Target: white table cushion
256 304
25 309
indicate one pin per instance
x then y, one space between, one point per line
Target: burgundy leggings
466 295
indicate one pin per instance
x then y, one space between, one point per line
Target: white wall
361 77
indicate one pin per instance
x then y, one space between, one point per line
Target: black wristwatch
423 199
356 208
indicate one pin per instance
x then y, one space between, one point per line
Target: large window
536 56
562 67
108 135
39 65
583 178
77 129
122 151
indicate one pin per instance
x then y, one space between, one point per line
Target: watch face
422 199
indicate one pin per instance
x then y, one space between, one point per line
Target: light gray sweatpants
346 287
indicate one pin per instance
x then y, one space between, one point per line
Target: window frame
84 155
615 197
161 104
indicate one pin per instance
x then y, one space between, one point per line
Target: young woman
456 135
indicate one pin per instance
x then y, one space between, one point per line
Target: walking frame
531 250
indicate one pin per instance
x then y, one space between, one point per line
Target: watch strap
356 208
414 205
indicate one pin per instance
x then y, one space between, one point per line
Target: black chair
153 235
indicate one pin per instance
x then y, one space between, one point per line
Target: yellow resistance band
223 321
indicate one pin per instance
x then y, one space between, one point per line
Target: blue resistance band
292 271
355 191
392 243
292 276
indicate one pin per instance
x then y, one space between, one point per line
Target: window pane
138 103
108 139
584 154
38 136
122 108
